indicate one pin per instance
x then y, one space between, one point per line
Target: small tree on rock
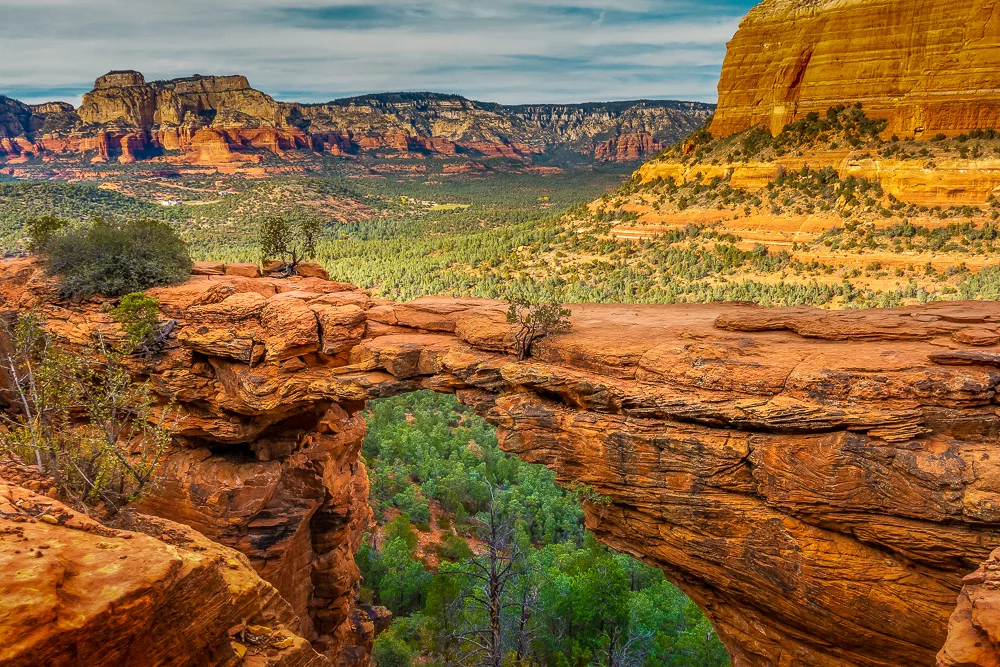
531 319
138 315
289 243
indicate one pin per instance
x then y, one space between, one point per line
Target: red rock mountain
927 66
818 482
219 119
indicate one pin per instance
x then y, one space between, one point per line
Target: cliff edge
818 482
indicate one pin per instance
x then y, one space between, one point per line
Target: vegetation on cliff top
109 258
410 231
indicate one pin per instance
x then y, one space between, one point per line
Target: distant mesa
120 79
213 120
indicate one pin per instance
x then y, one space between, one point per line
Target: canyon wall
927 66
818 482
222 119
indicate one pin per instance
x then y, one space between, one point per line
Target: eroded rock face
628 148
973 629
219 120
75 592
819 482
926 66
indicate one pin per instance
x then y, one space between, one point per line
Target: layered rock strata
949 182
926 66
818 482
214 120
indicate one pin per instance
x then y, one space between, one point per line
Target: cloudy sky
510 51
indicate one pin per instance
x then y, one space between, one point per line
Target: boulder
208 269
244 269
312 270
164 594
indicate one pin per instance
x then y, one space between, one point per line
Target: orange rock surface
926 66
76 593
818 482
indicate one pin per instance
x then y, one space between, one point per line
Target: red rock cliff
218 119
818 482
927 66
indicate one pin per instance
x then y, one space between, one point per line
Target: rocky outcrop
628 148
125 99
78 593
120 98
974 629
926 66
221 119
818 482
953 181
282 484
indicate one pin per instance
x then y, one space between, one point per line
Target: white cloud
503 50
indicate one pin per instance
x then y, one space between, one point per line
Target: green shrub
42 231
115 259
413 505
454 548
391 651
139 317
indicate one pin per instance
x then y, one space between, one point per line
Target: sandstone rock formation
819 482
974 629
216 120
76 593
926 66
628 148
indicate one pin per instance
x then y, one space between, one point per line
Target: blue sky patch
510 51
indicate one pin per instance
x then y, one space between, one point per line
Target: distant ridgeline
221 119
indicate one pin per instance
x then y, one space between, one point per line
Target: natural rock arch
817 482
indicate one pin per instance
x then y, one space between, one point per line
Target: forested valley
464 529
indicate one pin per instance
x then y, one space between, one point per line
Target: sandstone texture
818 482
926 66
77 593
951 181
221 120
974 629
